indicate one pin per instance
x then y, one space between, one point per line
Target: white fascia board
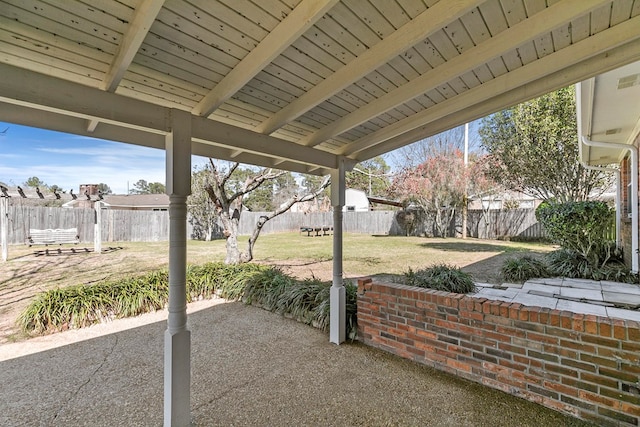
53 97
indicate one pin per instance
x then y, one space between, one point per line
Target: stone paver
623 314
620 287
576 295
590 294
535 300
546 289
621 298
581 284
581 307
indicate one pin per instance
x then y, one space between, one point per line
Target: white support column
177 349
97 228
4 227
337 297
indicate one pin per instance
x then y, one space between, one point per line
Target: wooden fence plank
153 226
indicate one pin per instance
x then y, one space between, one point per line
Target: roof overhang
608 110
304 86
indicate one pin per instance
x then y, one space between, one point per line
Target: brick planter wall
583 365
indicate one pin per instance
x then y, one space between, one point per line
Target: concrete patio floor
602 298
249 368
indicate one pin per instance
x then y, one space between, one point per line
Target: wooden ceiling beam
536 26
303 17
45 93
144 17
564 58
421 27
576 72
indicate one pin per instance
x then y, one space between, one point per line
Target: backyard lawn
25 274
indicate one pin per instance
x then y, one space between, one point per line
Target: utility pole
465 201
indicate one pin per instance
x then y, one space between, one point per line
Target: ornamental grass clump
523 268
441 277
83 305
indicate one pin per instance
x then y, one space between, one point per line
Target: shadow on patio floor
249 367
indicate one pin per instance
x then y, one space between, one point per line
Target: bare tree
227 200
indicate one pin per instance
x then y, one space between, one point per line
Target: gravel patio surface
249 368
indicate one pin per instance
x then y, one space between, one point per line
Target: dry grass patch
26 274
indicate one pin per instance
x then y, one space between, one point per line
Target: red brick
631 346
599 361
633 330
479 304
542 338
591 324
554 318
585 348
561 388
606 328
512 332
365 281
577 322
459 365
524 314
514 311
543 315
605 342
566 319
619 329
630 409
511 348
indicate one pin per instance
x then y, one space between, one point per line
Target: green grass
296 254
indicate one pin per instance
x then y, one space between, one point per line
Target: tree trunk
230 224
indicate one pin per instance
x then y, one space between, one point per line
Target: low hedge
84 305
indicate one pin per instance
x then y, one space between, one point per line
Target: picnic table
325 230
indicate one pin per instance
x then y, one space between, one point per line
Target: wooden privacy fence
117 225
150 226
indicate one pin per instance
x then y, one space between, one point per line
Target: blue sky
70 160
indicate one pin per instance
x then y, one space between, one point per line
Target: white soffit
610 112
299 84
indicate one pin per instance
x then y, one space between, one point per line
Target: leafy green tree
104 188
143 187
34 182
157 188
581 227
534 149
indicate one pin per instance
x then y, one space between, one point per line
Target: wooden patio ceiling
296 84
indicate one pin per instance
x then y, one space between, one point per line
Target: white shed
355 200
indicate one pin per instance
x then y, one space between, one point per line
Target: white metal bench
51 236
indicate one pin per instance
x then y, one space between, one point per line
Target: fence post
97 228
4 226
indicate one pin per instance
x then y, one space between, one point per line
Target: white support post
97 228
337 296
4 227
177 350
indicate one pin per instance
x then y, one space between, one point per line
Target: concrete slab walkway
249 368
602 298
